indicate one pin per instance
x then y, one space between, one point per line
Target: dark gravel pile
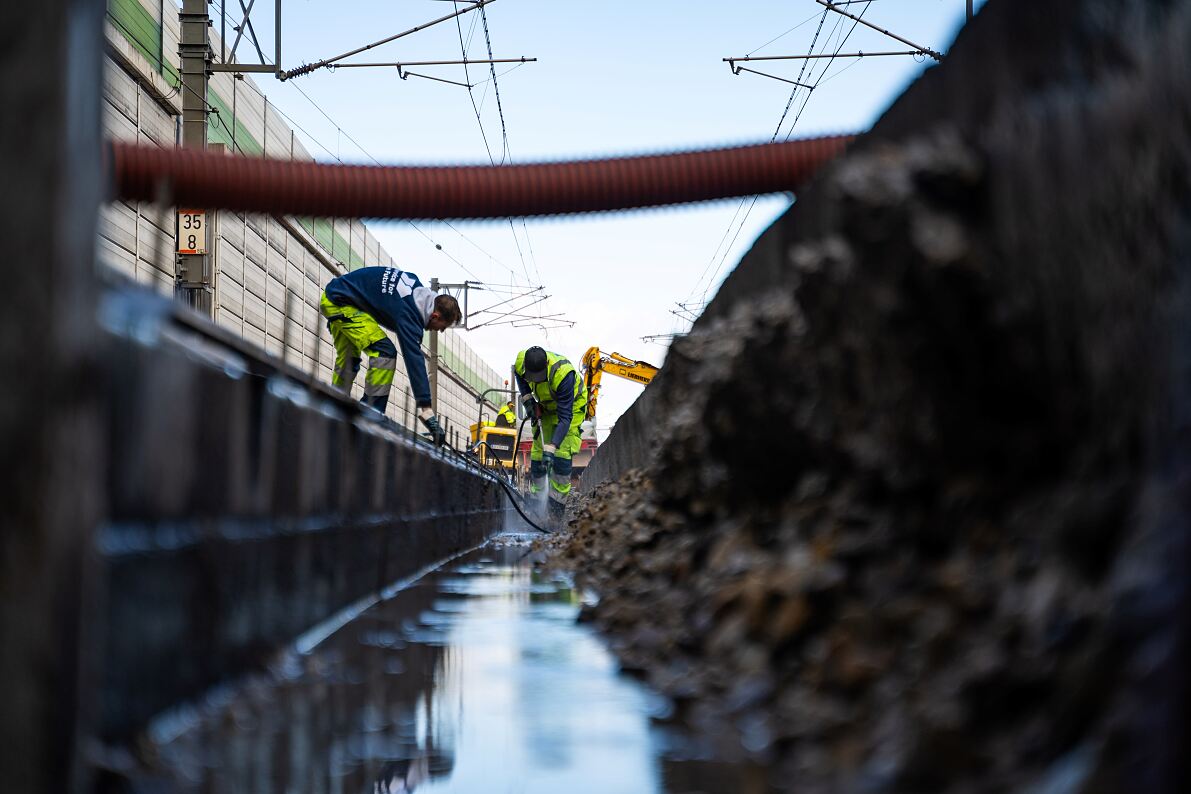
900 534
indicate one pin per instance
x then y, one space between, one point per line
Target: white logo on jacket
396 281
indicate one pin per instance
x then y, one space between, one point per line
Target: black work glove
437 434
532 407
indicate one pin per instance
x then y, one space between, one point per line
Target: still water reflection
475 679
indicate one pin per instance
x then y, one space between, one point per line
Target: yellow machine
495 446
595 364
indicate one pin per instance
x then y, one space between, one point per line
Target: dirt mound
897 534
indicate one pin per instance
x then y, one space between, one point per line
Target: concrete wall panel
118 223
230 295
155 122
231 261
231 229
254 312
120 91
111 255
257 259
279 138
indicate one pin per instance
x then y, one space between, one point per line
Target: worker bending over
357 305
552 391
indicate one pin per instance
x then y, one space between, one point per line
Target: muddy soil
913 522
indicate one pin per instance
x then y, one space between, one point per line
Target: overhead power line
798 82
506 154
785 33
308 68
801 83
437 245
835 7
465 61
731 61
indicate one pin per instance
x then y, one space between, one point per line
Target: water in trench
476 678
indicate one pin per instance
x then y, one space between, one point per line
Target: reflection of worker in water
507 415
552 391
403 776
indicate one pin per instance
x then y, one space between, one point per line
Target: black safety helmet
535 365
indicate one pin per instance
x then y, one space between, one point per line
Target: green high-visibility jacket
562 393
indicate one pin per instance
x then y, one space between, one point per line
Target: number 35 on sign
192 231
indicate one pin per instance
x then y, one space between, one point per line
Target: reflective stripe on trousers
379 379
559 475
560 487
346 367
537 475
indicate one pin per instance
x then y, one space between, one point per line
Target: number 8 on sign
192 231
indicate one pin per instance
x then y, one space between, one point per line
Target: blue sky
612 78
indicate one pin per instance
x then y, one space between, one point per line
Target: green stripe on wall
221 122
456 365
143 32
323 231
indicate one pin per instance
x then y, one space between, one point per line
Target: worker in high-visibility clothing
552 391
358 305
507 415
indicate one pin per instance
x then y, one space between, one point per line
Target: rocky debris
885 541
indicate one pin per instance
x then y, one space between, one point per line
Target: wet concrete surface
477 677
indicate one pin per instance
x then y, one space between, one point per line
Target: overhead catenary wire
785 111
341 132
403 64
505 153
806 99
785 33
337 155
327 149
504 134
308 68
438 246
861 54
814 84
860 21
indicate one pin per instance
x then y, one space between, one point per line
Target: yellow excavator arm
595 364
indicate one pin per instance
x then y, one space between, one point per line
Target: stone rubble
879 549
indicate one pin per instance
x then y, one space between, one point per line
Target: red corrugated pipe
194 178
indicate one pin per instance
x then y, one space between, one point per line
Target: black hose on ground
508 489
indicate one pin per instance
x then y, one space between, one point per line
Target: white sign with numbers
192 231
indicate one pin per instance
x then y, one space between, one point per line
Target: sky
612 78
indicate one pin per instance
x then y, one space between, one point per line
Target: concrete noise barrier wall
247 505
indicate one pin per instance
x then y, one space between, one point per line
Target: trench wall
246 504
984 91
984 307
